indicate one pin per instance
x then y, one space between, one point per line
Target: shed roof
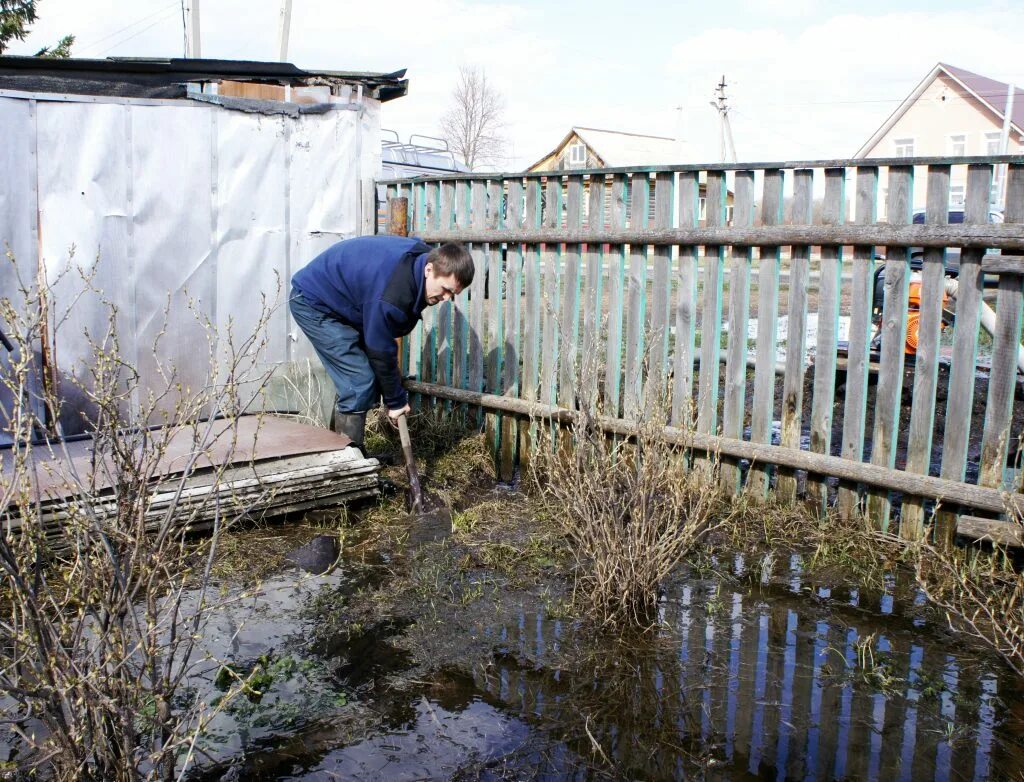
138 77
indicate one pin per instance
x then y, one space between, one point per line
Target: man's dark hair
454 259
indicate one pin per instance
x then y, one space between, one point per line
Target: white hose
988 317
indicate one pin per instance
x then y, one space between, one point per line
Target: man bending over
356 298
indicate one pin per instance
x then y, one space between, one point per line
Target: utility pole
1004 143
284 29
724 128
192 47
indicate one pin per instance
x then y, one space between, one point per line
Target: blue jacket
376 285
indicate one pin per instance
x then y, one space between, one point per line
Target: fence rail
669 287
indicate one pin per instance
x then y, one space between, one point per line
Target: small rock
316 557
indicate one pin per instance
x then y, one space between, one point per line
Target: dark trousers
340 348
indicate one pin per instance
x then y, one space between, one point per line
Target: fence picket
796 332
858 353
926 363
636 297
686 305
1005 349
592 299
569 310
531 319
439 215
711 310
762 412
739 313
511 347
462 216
616 290
894 337
472 369
428 339
494 347
960 393
661 295
552 262
829 277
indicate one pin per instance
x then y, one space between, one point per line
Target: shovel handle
410 464
403 433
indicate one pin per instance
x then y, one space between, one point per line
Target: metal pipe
284 29
988 318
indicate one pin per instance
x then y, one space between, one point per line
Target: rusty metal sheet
235 442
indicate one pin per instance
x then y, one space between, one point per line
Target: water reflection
766 683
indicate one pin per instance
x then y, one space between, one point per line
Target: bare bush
632 509
981 594
104 596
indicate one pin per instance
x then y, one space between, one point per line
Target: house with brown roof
950 113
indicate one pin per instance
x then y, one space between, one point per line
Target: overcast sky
806 79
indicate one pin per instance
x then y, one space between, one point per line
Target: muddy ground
461 652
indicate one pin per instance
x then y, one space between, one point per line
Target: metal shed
182 180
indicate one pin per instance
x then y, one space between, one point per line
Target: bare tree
472 125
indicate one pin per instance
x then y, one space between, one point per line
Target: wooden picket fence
632 289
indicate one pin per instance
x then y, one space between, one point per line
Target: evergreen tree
15 18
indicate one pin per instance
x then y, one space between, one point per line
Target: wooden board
1006 345
796 342
686 306
926 363
512 342
711 311
894 336
762 412
960 392
531 319
739 313
660 297
494 348
569 304
636 298
552 267
823 397
861 292
592 298
241 441
616 296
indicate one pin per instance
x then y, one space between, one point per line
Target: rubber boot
352 425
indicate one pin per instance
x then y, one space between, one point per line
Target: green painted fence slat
762 413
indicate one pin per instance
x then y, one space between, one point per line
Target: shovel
434 522
415 492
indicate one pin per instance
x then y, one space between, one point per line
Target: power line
139 32
127 27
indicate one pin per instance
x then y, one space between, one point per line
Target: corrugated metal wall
178 202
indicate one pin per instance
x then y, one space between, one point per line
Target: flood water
751 675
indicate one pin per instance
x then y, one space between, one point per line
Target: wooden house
589 148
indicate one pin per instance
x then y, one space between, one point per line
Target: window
904 147
992 143
577 155
956 195
958 144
